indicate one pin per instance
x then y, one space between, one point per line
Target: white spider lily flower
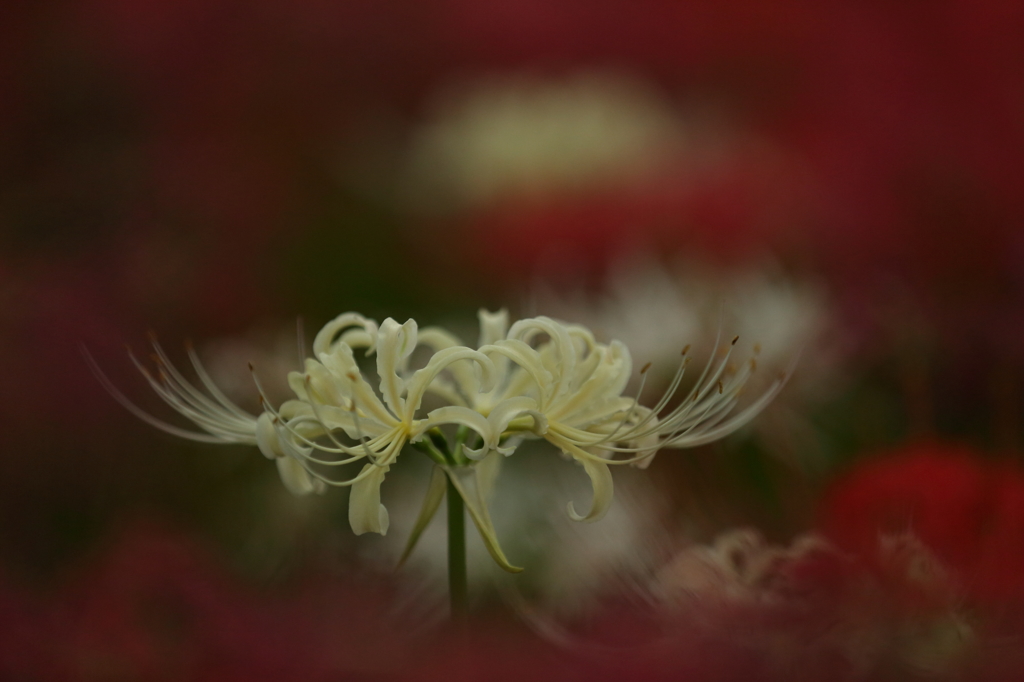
568 390
334 396
537 378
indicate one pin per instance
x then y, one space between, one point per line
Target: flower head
537 378
556 382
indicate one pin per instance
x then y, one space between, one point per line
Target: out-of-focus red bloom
156 606
29 648
731 213
967 511
1000 561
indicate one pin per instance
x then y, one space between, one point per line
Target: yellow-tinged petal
365 512
297 382
593 390
463 416
365 335
324 386
395 343
295 477
600 479
266 437
561 343
343 364
526 357
464 373
441 360
493 326
487 471
513 408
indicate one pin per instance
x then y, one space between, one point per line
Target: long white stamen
183 386
145 416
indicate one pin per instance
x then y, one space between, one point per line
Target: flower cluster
537 378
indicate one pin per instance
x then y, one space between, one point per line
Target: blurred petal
487 471
364 333
266 437
600 478
295 478
435 493
466 484
493 326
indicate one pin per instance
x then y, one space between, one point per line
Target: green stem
457 586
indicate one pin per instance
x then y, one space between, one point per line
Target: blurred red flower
730 215
966 510
157 606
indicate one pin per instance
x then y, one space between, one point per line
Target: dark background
205 169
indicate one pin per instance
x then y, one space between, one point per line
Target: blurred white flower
649 306
810 601
739 566
529 137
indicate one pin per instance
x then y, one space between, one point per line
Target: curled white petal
365 512
343 365
363 333
419 382
266 437
487 471
467 484
462 416
600 479
560 343
509 410
493 326
437 339
436 489
295 477
395 343
527 358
